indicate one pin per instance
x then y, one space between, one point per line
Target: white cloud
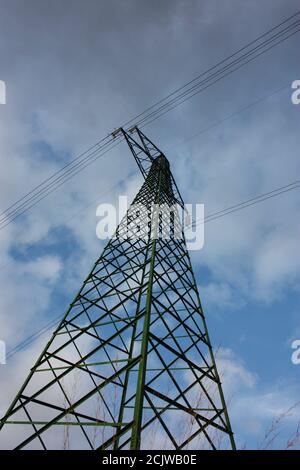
277 261
234 374
45 268
219 295
255 405
26 289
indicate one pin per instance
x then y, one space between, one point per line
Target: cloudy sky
74 71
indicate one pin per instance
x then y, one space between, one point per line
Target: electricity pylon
131 364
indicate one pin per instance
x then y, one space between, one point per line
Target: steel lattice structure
131 364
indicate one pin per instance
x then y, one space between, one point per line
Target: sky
74 71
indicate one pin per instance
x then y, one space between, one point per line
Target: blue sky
68 89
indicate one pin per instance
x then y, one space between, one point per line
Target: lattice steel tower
130 364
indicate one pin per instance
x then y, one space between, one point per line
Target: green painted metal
66 423
132 355
88 364
140 390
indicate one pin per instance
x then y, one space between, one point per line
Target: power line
86 206
230 116
50 188
216 76
133 120
102 147
30 339
57 172
247 203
